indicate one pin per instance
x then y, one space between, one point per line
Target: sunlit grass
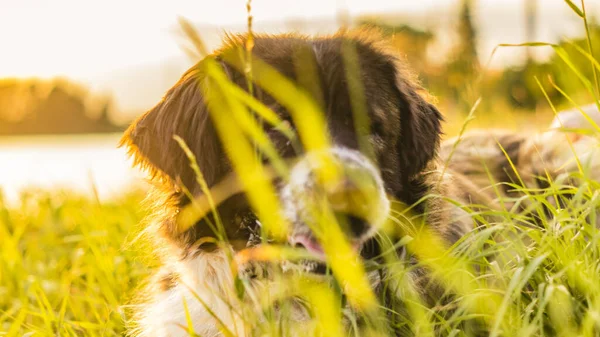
65 270
67 265
493 297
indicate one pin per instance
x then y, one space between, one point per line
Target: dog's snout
356 195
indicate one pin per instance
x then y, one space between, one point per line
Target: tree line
34 106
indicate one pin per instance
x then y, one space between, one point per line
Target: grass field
66 264
69 264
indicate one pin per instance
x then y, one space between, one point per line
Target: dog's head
402 134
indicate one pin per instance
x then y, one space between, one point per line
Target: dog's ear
420 128
182 112
418 139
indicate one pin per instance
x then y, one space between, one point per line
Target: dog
195 287
513 167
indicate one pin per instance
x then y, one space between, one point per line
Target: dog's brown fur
404 134
510 166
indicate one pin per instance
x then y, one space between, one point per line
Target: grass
68 267
65 266
69 264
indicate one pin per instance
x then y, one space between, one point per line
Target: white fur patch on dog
209 277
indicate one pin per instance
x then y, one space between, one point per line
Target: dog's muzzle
354 198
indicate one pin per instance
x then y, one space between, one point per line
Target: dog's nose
356 200
355 194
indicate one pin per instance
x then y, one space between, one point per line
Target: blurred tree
457 81
520 86
578 55
105 110
530 26
519 83
58 106
463 64
467 43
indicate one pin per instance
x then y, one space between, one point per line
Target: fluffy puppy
393 157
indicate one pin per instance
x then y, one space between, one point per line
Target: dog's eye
247 221
377 127
248 227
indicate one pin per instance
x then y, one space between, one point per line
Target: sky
66 37
106 43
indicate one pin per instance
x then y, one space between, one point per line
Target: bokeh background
74 73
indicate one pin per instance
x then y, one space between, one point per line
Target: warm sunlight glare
82 39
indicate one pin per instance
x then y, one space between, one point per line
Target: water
77 162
